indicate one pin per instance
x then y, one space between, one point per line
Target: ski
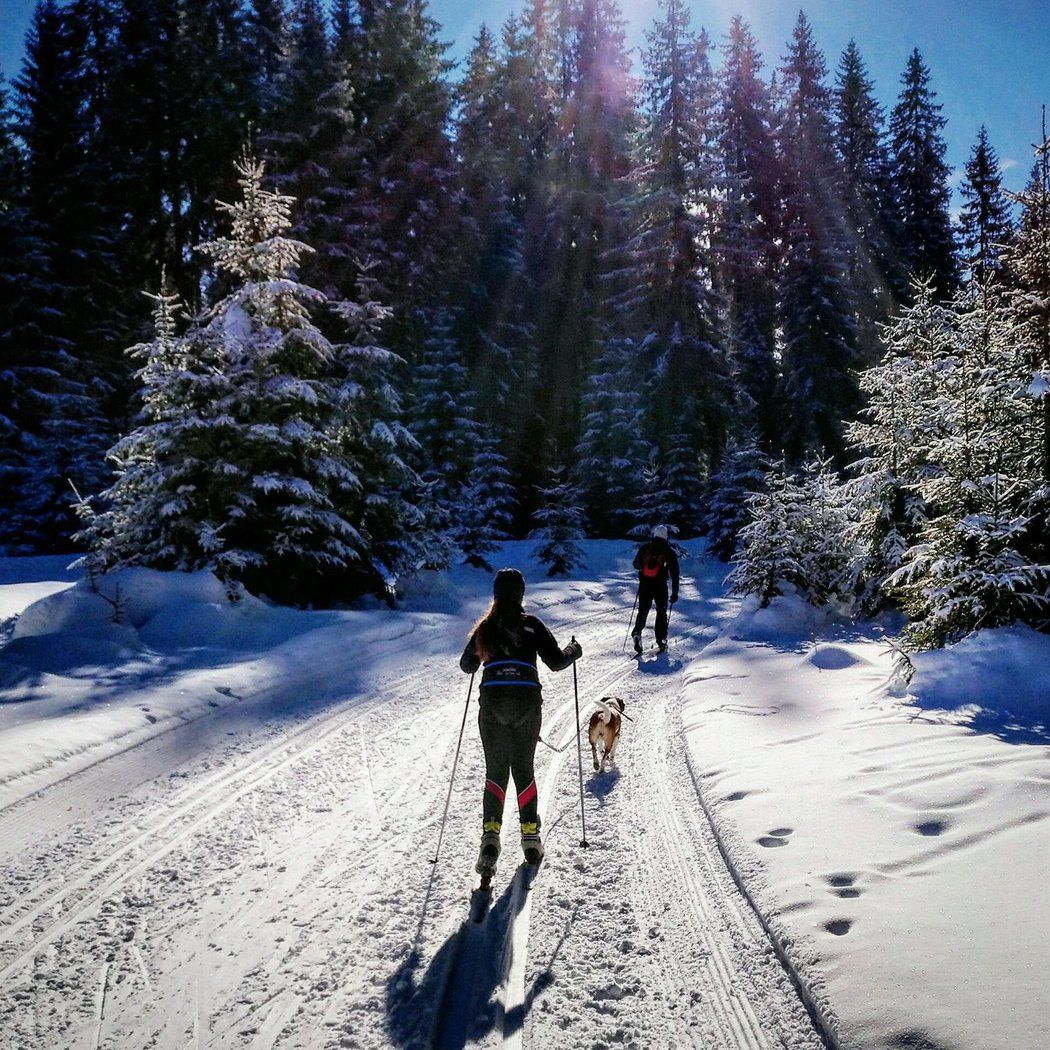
481 899
530 872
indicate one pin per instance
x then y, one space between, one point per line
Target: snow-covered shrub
561 526
742 474
796 537
264 450
486 504
892 437
968 568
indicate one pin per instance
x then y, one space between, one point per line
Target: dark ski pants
509 721
647 594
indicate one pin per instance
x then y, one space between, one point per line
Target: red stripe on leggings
527 795
491 785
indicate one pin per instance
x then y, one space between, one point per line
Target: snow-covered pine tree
772 544
920 180
984 220
866 193
968 569
796 536
613 449
741 475
264 451
560 525
486 503
1028 275
664 274
826 557
817 310
892 438
654 502
685 472
747 247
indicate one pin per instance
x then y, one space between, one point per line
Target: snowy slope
256 874
896 836
250 867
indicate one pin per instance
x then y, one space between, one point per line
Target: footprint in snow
736 796
839 927
776 837
930 828
842 886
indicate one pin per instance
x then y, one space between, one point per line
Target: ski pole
455 762
623 648
579 749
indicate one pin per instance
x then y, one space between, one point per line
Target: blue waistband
506 663
527 685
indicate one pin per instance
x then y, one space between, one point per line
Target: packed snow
217 822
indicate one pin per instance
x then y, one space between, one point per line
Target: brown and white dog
605 726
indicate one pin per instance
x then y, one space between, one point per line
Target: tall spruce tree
581 223
58 372
817 309
1028 271
866 194
748 245
920 180
404 201
312 148
265 451
984 220
494 322
666 273
613 446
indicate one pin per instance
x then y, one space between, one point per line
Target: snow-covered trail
271 887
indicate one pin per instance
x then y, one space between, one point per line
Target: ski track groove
218 794
246 770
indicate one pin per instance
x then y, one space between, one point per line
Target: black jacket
658 551
516 665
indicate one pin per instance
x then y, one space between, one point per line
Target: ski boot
637 644
661 644
488 855
532 848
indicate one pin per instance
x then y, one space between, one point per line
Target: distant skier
506 641
655 562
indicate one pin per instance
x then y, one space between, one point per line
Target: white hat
660 532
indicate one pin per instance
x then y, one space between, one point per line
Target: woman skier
506 641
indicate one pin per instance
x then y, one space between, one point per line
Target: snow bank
787 618
27 580
895 840
1002 674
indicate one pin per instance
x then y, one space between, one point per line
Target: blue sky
990 58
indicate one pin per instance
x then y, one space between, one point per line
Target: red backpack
652 565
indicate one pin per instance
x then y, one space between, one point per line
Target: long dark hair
500 628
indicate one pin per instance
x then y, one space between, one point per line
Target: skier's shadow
453 1001
662 663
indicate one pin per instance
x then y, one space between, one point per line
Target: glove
574 650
